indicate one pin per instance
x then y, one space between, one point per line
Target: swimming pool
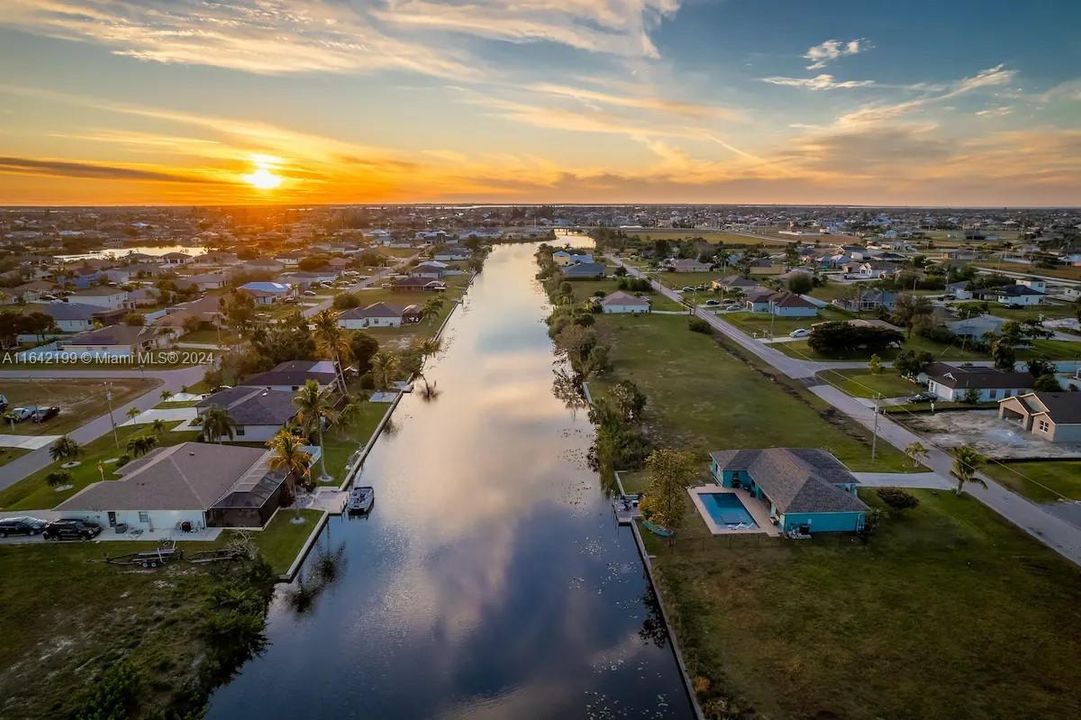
726 509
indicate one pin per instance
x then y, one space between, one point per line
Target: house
143 297
583 270
758 300
113 341
806 490
259 412
1033 283
689 266
175 258
102 296
431 269
623 302
955 383
1053 416
976 327
734 282
452 254
265 293
202 484
77 317
378 315
31 292
293 374
867 300
563 258
870 269
1017 294
208 281
414 284
788 304
765 267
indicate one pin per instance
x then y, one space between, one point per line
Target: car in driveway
923 397
3 402
21 526
19 414
799 333
42 414
71 529
712 303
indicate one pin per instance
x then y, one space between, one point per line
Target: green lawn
1052 349
585 289
761 323
69 618
680 280
860 383
800 349
1068 273
1043 482
78 400
8 454
341 442
208 335
401 336
281 540
32 492
1044 310
703 397
949 612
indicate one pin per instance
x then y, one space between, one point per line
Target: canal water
490 579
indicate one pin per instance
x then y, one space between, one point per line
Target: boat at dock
361 499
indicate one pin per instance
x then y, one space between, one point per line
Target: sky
865 102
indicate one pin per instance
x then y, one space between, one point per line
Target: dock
626 509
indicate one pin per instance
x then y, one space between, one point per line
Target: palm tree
429 346
353 407
158 427
165 395
65 449
132 413
431 309
966 460
289 456
313 406
331 341
916 452
141 444
217 422
385 367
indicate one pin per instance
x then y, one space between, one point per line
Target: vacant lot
762 324
802 350
991 435
1067 273
585 289
861 383
923 622
703 397
1043 482
79 401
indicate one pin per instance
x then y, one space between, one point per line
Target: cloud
824 53
819 82
641 102
995 112
63 168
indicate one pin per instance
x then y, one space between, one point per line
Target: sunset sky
727 101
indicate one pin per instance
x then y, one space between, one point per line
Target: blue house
806 490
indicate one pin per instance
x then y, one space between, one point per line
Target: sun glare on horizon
262 178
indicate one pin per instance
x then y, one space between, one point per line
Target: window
144 517
239 430
1044 426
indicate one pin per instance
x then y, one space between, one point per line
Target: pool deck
757 510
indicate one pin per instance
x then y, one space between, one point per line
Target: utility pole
112 421
874 432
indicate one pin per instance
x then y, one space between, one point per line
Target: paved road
1051 529
171 380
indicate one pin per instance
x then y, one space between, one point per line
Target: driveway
926 481
27 442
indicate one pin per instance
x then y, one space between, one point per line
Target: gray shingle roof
253 405
976 377
798 480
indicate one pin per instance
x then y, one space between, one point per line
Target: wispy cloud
64 168
824 53
633 100
822 81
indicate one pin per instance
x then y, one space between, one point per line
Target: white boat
361 499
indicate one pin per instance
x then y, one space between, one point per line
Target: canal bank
490 580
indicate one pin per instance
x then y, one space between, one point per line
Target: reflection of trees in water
429 392
327 568
568 389
390 427
653 629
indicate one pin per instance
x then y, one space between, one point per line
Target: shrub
699 325
897 498
345 301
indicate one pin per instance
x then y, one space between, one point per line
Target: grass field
711 236
1052 349
32 492
78 400
702 397
281 540
584 289
680 280
341 442
860 383
1043 482
800 349
1064 272
949 612
760 324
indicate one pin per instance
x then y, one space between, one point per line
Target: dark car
21 526
923 397
45 413
71 530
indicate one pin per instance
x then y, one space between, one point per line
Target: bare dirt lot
984 430
78 400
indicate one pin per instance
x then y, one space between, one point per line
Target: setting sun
262 177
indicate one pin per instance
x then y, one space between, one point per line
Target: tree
966 461
238 310
670 473
165 395
908 309
910 363
313 406
1039 366
838 338
385 367
362 347
135 319
345 301
158 427
331 342
1047 383
800 283
431 309
629 401
1003 354
218 423
874 365
915 452
132 413
290 457
141 444
58 479
65 449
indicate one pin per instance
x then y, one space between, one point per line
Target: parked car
3 402
21 526
42 414
19 414
923 397
712 303
687 288
71 530
799 332
309 293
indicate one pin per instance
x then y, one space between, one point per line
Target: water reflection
490 580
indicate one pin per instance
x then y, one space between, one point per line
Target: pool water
727 509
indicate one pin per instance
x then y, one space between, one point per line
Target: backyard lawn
281 540
861 383
1044 482
949 612
341 442
78 400
584 290
208 336
703 397
33 493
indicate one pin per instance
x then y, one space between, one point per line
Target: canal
490 580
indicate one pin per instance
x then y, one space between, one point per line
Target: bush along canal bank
490 558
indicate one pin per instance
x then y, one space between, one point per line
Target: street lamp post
112 421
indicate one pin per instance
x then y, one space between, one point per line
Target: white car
801 332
